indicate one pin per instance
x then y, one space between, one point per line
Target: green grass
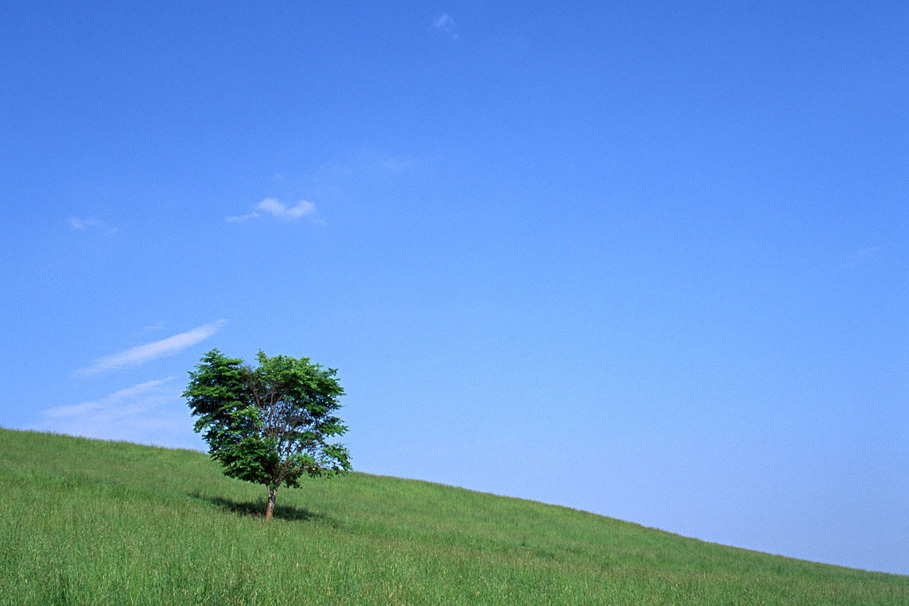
91 522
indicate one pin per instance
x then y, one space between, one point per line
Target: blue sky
637 258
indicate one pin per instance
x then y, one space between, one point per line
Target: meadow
92 522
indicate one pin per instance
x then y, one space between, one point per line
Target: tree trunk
272 497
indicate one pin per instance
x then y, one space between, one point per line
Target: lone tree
271 424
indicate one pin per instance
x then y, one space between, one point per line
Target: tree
271 424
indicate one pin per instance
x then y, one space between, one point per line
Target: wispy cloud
111 403
152 351
242 218
275 208
446 25
91 224
149 413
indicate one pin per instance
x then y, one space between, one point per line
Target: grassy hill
91 522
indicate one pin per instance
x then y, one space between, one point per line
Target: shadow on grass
257 508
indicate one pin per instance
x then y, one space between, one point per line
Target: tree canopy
271 424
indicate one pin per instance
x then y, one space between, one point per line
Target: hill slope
91 522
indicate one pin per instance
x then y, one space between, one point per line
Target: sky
645 259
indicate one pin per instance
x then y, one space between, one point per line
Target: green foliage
91 522
269 424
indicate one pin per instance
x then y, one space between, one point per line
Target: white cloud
151 351
445 24
112 403
242 218
277 209
94 224
149 413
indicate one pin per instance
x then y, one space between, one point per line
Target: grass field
91 522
